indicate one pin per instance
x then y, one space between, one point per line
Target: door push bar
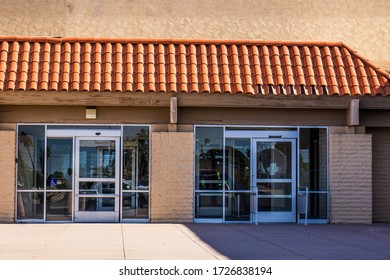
303 203
254 191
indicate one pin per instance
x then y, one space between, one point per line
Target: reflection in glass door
237 180
97 179
274 175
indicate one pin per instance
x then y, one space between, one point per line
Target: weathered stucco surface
362 24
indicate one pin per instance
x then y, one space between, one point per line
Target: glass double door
97 179
260 179
274 180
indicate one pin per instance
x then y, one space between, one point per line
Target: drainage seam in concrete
197 243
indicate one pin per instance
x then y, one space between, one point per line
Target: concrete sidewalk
193 241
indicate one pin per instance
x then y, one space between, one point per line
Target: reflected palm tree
136 146
29 169
143 156
28 143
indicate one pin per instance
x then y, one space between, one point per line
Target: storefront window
209 205
209 158
229 159
238 163
59 206
31 157
313 170
67 172
59 179
31 162
237 179
135 184
59 168
209 172
30 205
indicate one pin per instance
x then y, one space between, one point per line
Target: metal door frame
96 216
259 217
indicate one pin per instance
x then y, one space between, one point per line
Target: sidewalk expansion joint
123 243
197 243
272 243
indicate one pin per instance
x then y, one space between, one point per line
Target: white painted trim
261 134
83 133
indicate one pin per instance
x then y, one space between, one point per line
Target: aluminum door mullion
94 180
274 181
76 175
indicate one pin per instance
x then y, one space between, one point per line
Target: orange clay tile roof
199 66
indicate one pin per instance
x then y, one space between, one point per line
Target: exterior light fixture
90 113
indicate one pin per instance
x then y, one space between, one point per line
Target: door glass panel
273 204
97 159
275 180
237 206
135 205
59 163
237 155
274 188
58 206
96 204
273 160
97 188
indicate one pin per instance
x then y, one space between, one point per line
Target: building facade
154 130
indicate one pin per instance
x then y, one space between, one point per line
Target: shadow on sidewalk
292 241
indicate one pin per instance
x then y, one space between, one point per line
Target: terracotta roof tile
256 66
193 70
196 66
319 67
55 67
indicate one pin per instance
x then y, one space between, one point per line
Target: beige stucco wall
172 167
7 183
350 178
362 24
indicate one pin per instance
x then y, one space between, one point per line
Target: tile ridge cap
262 42
366 61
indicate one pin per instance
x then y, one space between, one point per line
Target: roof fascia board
44 98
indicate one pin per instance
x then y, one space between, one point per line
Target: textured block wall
7 178
172 177
350 178
380 174
362 24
